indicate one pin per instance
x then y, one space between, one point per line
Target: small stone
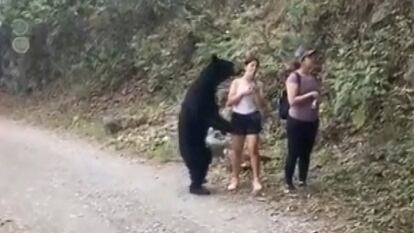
291 208
75 119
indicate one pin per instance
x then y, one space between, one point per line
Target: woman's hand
247 91
315 104
316 99
314 94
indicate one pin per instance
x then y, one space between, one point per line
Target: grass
164 152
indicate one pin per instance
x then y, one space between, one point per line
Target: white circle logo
21 44
20 27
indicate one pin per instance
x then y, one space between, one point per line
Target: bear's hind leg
195 162
199 172
205 163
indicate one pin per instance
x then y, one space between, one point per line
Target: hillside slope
97 62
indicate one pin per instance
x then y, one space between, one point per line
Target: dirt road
54 184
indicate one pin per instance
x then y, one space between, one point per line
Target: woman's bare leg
253 148
235 155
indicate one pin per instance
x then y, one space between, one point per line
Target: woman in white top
246 99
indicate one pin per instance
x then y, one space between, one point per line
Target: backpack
283 103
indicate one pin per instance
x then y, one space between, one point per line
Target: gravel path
50 183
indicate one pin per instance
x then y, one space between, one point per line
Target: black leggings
301 138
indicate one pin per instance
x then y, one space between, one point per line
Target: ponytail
291 67
294 65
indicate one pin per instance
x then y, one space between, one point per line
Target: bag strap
298 79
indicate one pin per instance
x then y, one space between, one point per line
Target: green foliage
366 51
107 38
364 63
360 74
362 68
357 81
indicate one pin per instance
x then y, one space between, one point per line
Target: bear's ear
214 58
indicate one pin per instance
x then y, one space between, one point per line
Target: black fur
199 111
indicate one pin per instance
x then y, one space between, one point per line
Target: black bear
199 111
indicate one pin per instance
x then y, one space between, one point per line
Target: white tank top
246 105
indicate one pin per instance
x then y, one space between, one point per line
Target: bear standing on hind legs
199 111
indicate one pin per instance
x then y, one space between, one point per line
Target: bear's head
221 69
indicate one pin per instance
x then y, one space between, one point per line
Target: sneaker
289 188
302 184
201 191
